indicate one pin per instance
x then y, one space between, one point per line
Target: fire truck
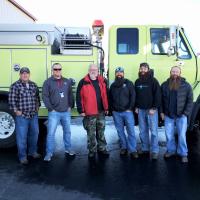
38 46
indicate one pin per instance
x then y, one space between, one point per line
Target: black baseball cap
24 69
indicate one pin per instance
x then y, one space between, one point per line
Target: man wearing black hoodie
148 99
122 100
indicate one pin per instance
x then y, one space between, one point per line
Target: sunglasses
57 69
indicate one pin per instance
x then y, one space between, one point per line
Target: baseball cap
24 69
119 69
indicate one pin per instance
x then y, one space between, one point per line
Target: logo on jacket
142 86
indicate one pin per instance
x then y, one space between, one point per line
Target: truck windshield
183 51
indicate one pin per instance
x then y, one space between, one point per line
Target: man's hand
106 112
152 111
136 110
18 113
162 115
82 114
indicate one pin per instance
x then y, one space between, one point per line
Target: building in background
12 12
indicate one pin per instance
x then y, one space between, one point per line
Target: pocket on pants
85 124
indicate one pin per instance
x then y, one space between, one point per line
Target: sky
122 12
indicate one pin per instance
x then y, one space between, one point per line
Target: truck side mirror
170 51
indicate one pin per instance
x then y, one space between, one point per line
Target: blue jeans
127 119
148 123
181 126
54 118
27 130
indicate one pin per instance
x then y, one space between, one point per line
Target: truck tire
7 126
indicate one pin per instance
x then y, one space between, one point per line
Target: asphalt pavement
113 178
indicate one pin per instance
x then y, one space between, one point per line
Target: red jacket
86 96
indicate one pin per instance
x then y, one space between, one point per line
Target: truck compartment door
34 59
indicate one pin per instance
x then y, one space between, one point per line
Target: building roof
22 9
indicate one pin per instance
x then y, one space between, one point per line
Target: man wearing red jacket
92 104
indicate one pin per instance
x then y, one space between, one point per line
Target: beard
144 75
93 76
119 81
174 82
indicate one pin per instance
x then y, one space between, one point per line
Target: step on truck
38 46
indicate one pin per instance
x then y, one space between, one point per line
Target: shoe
123 152
104 153
134 155
70 153
140 152
36 155
184 159
91 155
154 156
169 155
47 158
24 161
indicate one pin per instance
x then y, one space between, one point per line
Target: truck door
126 49
34 59
158 40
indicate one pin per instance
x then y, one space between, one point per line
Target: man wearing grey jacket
58 98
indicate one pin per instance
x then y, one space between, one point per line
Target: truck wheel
7 126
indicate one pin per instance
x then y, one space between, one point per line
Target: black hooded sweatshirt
148 92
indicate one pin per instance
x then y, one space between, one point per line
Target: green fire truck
38 46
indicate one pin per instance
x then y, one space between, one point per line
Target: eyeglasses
57 69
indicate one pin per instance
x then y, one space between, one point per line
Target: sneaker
123 152
169 155
24 161
134 155
104 153
47 158
184 159
70 153
141 152
154 156
36 155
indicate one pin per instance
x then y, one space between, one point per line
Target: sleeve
189 101
132 96
13 98
156 94
79 100
162 102
46 96
37 96
110 99
71 96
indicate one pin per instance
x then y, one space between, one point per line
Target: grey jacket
57 94
184 98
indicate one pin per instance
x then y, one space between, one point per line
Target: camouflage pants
95 127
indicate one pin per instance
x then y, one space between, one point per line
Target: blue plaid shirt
24 99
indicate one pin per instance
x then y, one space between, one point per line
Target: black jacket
122 98
148 94
184 98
